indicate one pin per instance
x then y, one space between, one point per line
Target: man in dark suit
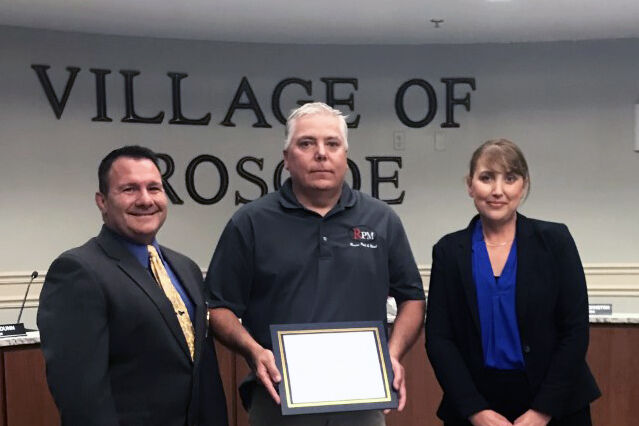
122 319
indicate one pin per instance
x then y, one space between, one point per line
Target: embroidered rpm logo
362 236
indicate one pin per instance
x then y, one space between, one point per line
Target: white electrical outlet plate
399 141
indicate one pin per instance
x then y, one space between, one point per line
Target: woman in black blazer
507 319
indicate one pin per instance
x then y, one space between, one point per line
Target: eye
484 177
333 144
512 178
304 143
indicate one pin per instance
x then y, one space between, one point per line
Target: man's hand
228 330
489 418
262 362
532 418
398 383
408 324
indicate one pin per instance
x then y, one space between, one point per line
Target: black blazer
115 353
552 314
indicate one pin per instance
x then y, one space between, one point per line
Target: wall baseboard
603 280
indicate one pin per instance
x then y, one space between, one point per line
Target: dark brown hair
131 151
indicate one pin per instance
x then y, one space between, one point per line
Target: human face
135 205
495 192
316 157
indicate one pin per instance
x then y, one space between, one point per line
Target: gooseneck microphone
34 275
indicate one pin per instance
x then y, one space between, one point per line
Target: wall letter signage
131 116
451 100
252 104
57 104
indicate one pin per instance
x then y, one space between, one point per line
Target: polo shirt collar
288 200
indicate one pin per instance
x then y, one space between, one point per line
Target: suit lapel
464 262
192 286
143 279
527 267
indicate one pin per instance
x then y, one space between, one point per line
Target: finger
398 379
264 377
402 396
397 373
271 391
399 384
272 370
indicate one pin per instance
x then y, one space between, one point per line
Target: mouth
143 214
496 204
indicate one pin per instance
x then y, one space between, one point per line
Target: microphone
34 275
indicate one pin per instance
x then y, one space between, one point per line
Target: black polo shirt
277 262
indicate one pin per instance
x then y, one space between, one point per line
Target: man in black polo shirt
315 251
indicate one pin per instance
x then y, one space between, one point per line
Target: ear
100 201
285 154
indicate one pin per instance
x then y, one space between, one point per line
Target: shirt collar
289 201
139 251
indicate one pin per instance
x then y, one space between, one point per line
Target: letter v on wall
57 104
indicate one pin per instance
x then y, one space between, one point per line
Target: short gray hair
314 108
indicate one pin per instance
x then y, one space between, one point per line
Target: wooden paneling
226 361
242 370
613 357
614 360
3 398
423 391
28 401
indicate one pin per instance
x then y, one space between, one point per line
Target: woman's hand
489 418
533 418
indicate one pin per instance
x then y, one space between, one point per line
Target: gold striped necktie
162 277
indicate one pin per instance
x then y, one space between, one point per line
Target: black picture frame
371 332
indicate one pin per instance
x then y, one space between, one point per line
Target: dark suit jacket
552 314
114 350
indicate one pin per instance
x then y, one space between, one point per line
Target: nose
498 188
144 198
320 152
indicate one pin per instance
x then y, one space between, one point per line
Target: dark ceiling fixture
437 22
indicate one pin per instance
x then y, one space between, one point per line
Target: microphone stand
34 275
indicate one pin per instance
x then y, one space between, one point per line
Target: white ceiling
334 21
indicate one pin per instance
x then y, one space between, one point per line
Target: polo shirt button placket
323 241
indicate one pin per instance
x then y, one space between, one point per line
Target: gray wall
569 105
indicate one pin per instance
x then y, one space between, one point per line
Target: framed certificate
328 367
